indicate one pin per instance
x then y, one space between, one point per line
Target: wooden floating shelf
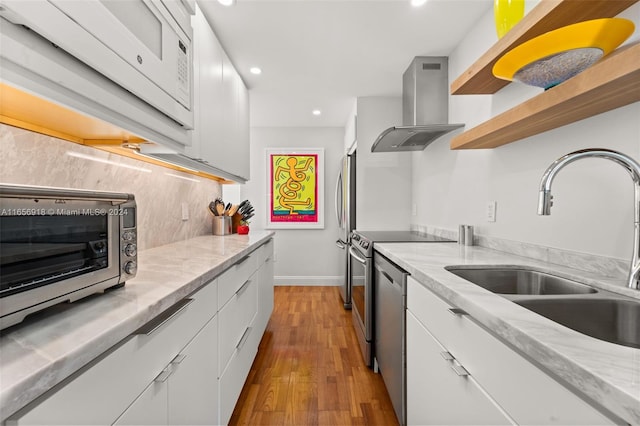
609 84
548 15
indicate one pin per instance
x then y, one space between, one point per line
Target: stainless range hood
425 107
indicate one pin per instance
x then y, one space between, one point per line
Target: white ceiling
325 53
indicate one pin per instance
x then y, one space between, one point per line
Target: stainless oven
61 245
360 277
362 281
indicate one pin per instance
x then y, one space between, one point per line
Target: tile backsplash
30 158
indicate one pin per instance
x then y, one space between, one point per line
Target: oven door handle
356 256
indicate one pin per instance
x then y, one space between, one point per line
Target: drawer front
235 319
150 408
266 252
435 393
488 360
101 393
232 381
235 277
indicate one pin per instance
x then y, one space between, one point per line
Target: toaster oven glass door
41 247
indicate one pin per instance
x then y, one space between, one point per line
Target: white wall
350 130
383 179
305 256
593 199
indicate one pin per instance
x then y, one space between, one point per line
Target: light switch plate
491 211
185 211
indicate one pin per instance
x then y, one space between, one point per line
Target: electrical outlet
185 211
491 211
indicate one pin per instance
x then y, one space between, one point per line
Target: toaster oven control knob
128 235
130 249
131 267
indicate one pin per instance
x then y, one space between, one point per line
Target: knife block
235 221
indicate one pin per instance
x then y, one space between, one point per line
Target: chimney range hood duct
425 107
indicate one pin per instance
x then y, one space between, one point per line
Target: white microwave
142 45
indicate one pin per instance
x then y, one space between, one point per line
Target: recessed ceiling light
316 112
255 70
227 2
414 3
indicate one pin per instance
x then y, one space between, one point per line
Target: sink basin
520 281
612 320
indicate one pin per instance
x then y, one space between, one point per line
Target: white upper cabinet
221 134
208 93
128 63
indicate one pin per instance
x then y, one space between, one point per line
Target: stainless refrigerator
346 217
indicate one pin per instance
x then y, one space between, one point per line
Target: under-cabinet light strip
105 161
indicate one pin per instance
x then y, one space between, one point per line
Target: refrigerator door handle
338 200
341 244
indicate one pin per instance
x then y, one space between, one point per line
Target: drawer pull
387 276
457 312
243 339
164 375
447 356
459 369
160 320
178 359
243 288
243 260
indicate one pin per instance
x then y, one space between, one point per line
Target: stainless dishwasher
390 296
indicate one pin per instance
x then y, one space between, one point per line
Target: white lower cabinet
265 287
522 391
193 390
187 366
150 408
438 394
186 390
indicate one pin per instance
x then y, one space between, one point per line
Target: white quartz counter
605 372
53 344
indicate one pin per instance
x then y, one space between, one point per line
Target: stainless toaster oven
59 245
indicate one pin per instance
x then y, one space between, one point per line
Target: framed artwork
295 188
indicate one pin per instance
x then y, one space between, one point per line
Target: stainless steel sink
612 320
520 281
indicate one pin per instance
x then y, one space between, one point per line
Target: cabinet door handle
387 276
447 356
243 339
164 375
459 369
457 312
160 320
178 359
243 288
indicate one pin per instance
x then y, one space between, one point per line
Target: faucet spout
545 199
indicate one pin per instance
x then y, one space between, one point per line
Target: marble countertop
605 372
53 344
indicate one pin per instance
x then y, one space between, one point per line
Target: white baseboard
309 281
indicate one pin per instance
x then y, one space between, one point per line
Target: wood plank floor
309 370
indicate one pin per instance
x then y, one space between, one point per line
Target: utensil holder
221 225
